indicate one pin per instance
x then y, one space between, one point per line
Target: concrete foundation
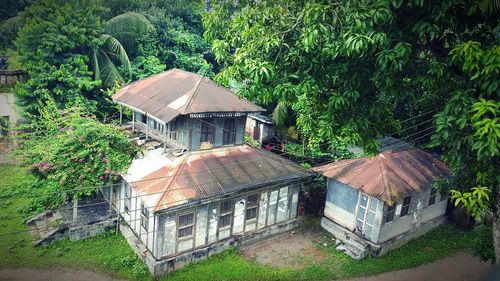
359 247
170 264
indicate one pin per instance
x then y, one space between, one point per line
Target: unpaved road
53 274
459 267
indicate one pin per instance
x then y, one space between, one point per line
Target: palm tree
119 42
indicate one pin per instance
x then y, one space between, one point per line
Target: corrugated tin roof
390 175
205 174
176 92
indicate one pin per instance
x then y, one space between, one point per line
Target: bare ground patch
290 249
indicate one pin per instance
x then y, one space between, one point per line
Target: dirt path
285 250
459 267
52 274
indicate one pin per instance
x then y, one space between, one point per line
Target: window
185 225
173 127
251 212
226 213
207 130
144 216
406 206
432 198
128 198
389 213
229 135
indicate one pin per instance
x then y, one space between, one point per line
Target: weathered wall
10 77
419 213
219 131
341 203
164 266
275 205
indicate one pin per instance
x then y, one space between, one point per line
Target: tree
51 46
349 70
119 42
321 60
468 131
70 53
70 152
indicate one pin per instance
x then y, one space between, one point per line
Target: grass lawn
111 254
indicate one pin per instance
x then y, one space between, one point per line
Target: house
260 127
379 203
10 114
202 190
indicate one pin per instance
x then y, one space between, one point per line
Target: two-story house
208 191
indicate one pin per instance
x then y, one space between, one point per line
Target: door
365 217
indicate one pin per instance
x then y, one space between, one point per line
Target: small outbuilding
260 127
375 204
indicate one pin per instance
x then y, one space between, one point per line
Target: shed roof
210 173
390 175
176 92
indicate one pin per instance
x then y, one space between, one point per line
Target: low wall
168 265
90 230
10 77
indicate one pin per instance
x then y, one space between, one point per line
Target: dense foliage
53 53
70 153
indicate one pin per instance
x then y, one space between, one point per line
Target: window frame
228 212
207 130
144 217
389 210
128 199
254 207
229 134
405 207
189 225
432 197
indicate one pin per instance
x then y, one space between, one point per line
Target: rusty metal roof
176 92
210 173
388 176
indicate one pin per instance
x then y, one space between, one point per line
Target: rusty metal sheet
389 176
205 174
175 92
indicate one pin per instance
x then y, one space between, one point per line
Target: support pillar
121 114
75 209
133 121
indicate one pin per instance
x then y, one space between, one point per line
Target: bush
482 243
69 151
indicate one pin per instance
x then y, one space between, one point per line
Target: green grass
111 254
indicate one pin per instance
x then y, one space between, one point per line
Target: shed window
185 223
229 134
173 127
207 130
389 213
432 198
251 212
226 214
144 216
406 206
128 198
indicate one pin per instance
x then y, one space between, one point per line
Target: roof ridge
194 95
384 174
174 176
